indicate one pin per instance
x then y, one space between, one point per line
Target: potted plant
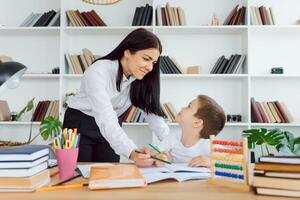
282 141
49 127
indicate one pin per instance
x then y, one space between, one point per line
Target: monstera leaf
292 143
262 136
50 127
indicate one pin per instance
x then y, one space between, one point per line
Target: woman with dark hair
129 75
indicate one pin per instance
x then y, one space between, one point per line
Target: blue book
23 153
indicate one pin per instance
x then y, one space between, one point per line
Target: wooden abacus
229 164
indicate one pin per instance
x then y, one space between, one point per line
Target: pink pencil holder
67 162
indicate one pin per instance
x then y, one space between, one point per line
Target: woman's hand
142 159
164 156
200 161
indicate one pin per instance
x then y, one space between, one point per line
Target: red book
97 18
262 113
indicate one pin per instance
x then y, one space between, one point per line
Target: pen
51 188
65 181
155 148
155 158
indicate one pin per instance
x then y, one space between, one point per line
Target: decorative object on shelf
10 74
215 20
5 114
229 170
55 70
13 116
26 109
194 70
283 141
101 2
234 118
277 70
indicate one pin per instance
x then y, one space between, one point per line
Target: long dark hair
144 93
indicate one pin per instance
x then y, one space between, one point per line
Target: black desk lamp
10 74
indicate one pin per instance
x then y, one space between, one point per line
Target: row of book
277 176
170 16
236 16
233 65
142 16
45 109
77 64
262 15
24 168
270 112
136 115
50 18
169 65
89 18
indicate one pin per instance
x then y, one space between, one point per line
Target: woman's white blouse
98 97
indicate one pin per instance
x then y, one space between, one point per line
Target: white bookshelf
197 43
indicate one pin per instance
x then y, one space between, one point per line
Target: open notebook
179 172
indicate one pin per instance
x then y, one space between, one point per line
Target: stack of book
89 18
262 16
51 18
170 16
45 109
277 176
77 64
23 169
236 16
143 16
169 66
270 112
233 65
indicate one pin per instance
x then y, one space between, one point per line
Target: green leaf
50 127
27 108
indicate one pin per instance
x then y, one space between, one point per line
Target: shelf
41 76
274 76
18 123
221 76
176 124
103 29
275 124
200 29
166 76
72 76
31 30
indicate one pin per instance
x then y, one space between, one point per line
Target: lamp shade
10 73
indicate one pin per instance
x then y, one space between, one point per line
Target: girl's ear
198 123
